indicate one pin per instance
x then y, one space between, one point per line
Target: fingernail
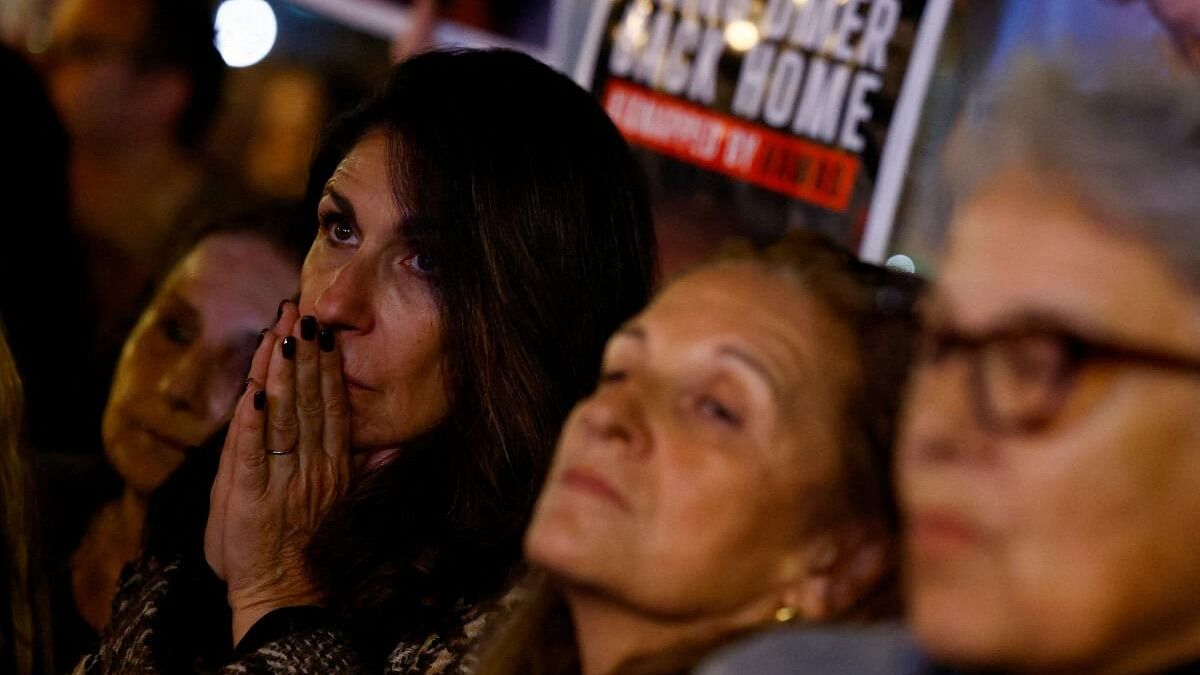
308 327
260 399
262 334
289 347
325 339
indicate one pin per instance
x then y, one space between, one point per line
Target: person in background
179 374
137 83
24 611
731 470
1049 463
481 230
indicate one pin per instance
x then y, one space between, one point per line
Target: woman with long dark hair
481 232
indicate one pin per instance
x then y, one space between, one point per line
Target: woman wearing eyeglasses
1050 467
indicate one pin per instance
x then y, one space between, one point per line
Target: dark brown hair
24 621
875 304
524 201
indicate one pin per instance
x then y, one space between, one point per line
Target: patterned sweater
131 643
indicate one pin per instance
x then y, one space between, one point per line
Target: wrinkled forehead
742 302
374 176
1025 243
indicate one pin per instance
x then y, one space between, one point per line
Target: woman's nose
182 385
615 418
940 424
343 296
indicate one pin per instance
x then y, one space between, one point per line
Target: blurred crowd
409 391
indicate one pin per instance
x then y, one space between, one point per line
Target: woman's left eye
419 263
342 232
175 331
713 409
337 230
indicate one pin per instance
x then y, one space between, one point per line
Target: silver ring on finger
280 452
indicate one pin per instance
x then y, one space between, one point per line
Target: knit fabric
130 643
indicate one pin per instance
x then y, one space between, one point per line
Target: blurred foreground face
363 279
686 484
183 365
1050 465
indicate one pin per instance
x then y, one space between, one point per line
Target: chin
142 468
555 543
960 630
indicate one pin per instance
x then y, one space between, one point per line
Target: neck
610 633
130 512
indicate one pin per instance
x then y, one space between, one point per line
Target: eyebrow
937 307
753 363
403 227
340 201
738 354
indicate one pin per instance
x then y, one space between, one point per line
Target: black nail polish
325 339
289 347
260 399
262 334
308 328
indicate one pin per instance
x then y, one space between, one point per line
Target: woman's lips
164 439
591 483
370 460
935 531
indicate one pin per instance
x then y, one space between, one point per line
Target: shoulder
451 651
126 643
315 649
875 650
152 631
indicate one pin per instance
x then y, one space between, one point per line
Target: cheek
223 388
717 538
411 346
404 354
1099 522
140 360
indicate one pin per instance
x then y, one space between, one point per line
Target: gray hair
1126 140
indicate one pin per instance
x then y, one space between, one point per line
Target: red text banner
801 169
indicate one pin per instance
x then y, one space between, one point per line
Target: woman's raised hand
285 462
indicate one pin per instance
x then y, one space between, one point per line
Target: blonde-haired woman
23 646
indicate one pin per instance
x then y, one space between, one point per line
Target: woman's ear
840 568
